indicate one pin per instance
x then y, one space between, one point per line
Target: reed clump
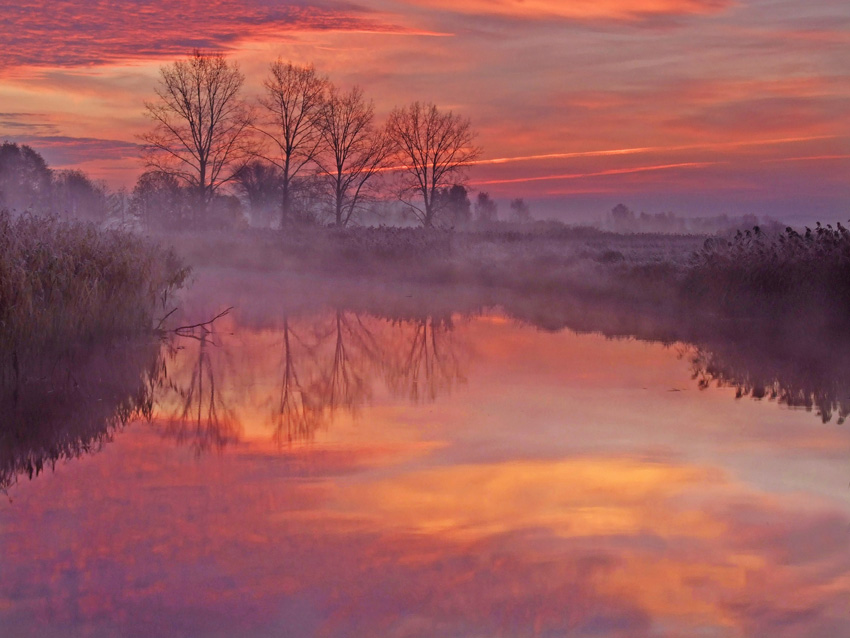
754 273
64 282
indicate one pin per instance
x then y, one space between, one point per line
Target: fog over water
342 458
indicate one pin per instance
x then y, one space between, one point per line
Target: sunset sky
702 107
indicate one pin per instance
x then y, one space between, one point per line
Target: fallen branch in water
161 321
187 331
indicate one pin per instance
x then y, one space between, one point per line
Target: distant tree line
623 219
28 184
303 152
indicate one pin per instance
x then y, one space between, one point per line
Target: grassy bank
66 282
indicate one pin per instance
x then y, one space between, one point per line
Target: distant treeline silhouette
304 151
622 219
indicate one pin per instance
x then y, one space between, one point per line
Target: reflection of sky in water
556 484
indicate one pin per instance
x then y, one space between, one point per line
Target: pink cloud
74 33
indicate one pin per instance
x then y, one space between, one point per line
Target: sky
699 107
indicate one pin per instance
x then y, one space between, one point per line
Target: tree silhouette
201 125
486 210
432 148
260 182
454 204
353 150
292 104
520 211
25 179
78 196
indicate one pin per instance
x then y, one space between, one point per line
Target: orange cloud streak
580 9
652 149
616 171
814 158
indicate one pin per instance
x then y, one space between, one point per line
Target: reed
791 272
64 282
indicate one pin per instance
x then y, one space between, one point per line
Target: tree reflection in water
63 405
192 410
426 360
69 404
297 415
330 363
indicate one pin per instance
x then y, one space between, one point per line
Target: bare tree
292 103
353 152
201 125
433 148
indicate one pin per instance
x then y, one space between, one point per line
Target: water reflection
62 405
190 406
556 492
330 363
796 362
814 377
187 385
426 359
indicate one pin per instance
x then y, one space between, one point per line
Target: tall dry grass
64 282
758 274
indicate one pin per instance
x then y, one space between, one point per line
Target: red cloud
73 32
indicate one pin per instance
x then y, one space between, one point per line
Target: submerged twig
161 321
181 330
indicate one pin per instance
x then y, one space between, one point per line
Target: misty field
755 274
543 259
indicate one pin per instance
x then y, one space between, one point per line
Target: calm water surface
339 474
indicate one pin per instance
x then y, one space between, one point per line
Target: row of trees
160 199
27 183
303 149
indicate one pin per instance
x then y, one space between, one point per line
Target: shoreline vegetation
71 282
78 336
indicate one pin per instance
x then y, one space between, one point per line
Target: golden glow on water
570 498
